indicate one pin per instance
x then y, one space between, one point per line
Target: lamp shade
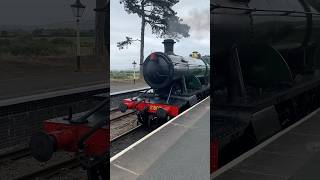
77 8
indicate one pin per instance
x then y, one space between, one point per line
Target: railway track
117 115
125 130
51 170
16 154
34 170
39 170
62 167
126 133
59 169
124 140
128 137
21 165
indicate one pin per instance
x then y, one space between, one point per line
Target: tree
37 32
99 27
315 4
161 18
4 33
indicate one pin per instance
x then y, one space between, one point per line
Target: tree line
43 32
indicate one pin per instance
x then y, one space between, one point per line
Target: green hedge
27 45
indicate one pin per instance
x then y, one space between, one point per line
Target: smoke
177 29
315 4
199 21
195 24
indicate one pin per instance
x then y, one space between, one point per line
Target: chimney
168 46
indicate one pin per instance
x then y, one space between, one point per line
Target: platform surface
293 155
24 77
117 86
177 150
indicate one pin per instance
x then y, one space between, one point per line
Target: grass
27 45
123 75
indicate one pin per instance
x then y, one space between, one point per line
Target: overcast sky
194 13
41 12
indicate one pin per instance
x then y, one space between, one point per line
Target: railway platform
292 154
24 77
179 149
117 86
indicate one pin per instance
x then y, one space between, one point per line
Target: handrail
250 10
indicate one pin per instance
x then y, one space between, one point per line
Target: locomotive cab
266 70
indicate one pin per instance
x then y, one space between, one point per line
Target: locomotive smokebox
168 46
158 70
42 146
161 69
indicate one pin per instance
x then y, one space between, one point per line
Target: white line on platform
125 169
260 146
153 132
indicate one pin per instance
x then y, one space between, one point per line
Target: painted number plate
154 107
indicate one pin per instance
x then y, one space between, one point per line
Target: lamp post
134 71
77 10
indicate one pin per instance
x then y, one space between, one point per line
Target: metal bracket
236 87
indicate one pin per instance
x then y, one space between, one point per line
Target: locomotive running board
265 123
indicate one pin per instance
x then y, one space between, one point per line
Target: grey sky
40 12
194 13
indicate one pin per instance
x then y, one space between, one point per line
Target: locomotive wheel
164 120
42 146
148 123
144 119
98 172
141 118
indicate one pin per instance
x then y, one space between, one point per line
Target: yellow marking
154 107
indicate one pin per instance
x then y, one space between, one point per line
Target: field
45 46
122 75
41 42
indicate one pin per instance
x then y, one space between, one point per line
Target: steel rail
49 170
